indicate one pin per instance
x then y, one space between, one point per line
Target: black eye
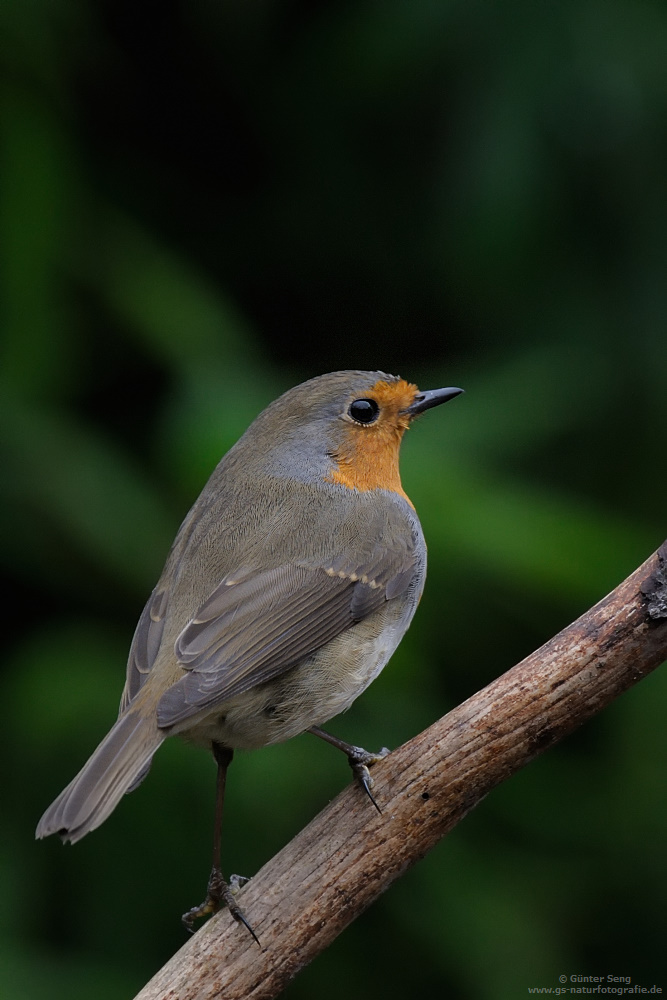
365 411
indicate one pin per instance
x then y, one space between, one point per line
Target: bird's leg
219 892
358 758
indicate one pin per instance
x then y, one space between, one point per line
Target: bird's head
345 427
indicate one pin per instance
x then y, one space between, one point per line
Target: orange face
367 458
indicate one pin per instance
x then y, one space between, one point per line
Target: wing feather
251 631
145 645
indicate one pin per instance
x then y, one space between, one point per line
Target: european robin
289 585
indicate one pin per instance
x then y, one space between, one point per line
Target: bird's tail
118 764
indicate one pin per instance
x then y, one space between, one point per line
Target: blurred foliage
204 203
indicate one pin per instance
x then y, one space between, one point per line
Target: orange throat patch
367 458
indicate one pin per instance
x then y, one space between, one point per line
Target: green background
206 202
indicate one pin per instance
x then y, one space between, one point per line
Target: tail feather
118 764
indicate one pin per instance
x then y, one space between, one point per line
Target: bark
309 892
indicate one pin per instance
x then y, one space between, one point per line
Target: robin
289 585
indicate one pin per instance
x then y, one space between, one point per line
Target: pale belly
320 687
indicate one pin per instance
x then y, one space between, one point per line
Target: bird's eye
364 411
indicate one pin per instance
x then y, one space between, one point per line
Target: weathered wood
306 895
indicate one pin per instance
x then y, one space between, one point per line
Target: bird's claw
219 893
359 760
236 882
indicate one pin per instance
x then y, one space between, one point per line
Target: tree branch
341 862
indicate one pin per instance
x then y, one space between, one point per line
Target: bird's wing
150 627
145 645
256 625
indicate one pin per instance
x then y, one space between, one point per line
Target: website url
616 990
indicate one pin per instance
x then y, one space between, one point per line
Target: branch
341 862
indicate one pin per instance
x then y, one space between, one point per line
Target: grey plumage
284 594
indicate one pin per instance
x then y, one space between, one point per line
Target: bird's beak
432 397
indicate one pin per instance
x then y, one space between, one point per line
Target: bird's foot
236 882
219 893
359 760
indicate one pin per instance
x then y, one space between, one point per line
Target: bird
289 585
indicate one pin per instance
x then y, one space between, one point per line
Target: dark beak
432 397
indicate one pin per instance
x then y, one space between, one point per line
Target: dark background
204 203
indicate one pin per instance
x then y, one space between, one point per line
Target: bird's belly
321 686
